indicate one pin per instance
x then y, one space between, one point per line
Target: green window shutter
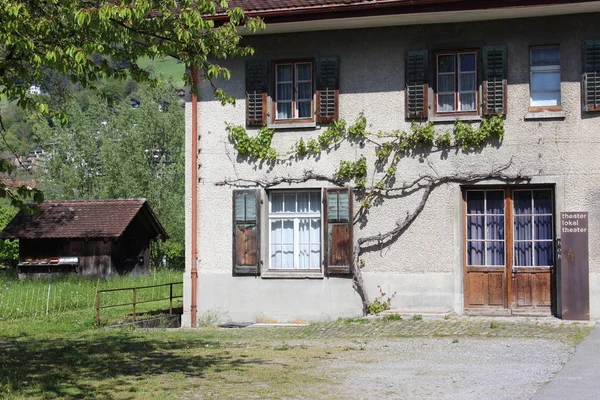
591 75
417 72
246 232
328 85
339 243
256 92
494 80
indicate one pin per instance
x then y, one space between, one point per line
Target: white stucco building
285 252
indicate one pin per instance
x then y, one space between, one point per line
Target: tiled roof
271 5
80 219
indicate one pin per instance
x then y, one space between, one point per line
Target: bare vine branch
308 175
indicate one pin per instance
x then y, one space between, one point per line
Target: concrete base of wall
595 296
223 298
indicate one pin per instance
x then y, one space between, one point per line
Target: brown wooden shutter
417 73
246 232
256 92
338 232
494 80
328 81
591 75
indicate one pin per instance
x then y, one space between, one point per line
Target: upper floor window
294 91
456 75
545 76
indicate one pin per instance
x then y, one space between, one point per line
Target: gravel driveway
464 368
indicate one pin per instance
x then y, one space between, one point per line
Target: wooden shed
87 237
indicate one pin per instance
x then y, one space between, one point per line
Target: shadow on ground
104 366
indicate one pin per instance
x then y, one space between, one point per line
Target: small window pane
494 253
475 253
304 109
275 257
289 202
284 92
284 73
545 81
276 202
445 83
305 91
315 256
523 254
543 99
475 201
495 202
494 228
276 231
542 201
446 63
467 102
288 231
303 72
544 254
467 83
475 227
542 227
315 231
545 56
522 201
284 110
303 202
304 231
287 259
523 228
304 256
445 102
315 202
467 62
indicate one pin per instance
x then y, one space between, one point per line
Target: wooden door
532 274
509 251
485 267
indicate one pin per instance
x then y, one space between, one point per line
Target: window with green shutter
591 75
339 251
246 232
256 92
417 72
328 78
494 80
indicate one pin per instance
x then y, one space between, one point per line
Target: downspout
194 162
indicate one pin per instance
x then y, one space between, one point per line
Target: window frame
509 229
295 216
545 68
294 120
457 72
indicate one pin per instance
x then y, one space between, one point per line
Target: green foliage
381 304
9 249
358 130
90 42
121 152
258 146
354 170
392 317
417 317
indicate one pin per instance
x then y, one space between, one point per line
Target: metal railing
134 302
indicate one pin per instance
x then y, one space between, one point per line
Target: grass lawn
169 68
65 356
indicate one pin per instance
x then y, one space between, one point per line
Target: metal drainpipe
194 252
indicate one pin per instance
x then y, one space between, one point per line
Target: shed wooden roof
82 219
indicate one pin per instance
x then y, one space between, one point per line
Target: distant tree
9 249
123 152
91 40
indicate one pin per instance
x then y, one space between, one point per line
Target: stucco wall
424 266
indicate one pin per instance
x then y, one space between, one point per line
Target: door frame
508 306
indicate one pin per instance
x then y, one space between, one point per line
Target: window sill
532 116
453 118
292 125
287 274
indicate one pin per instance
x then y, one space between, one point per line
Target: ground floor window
295 229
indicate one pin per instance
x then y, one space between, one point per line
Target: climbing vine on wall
389 149
390 146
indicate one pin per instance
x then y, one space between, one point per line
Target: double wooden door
509 251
